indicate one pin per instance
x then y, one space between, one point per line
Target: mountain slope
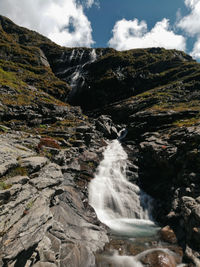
50 149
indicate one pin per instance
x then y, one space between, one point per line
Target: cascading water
125 209
119 204
77 78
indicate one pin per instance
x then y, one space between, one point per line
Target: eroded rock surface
44 220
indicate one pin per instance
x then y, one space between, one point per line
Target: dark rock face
50 149
120 75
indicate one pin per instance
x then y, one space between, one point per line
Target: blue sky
121 24
103 19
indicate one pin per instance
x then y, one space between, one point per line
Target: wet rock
158 258
191 256
105 125
168 235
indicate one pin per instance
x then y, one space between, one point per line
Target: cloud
191 23
90 3
128 34
196 50
63 21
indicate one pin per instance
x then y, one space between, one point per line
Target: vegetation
17 171
4 186
153 79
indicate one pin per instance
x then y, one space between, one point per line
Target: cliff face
50 147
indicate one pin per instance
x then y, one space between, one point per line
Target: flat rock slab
34 163
29 230
49 176
10 152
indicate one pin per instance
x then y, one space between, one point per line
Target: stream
127 211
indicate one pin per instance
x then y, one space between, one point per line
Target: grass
17 171
187 122
4 186
8 78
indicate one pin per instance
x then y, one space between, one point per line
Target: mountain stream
125 209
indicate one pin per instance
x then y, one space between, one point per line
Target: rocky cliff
58 108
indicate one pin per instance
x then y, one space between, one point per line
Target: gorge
61 111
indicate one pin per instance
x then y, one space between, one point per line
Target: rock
137 90
77 143
20 199
158 258
19 180
105 125
49 176
43 59
4 128
34 164
73 165
168 235
29 230
191 255
45 264
7 164
83 129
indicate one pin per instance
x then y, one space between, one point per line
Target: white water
122 206
78 74
119 204
93 56
72 55
133 261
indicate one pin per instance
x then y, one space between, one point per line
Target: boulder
158 258
168 235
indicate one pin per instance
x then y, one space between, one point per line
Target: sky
120 24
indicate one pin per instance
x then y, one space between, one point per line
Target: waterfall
76 77
93 56
119 204
72 55
124 208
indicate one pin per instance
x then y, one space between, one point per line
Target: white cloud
90 3
134 34
191 22
196 50
63 21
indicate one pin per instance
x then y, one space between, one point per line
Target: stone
49 176
43 59
45 264
83 129
168 235
29 230
7 165
34 164
158 258
19 180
